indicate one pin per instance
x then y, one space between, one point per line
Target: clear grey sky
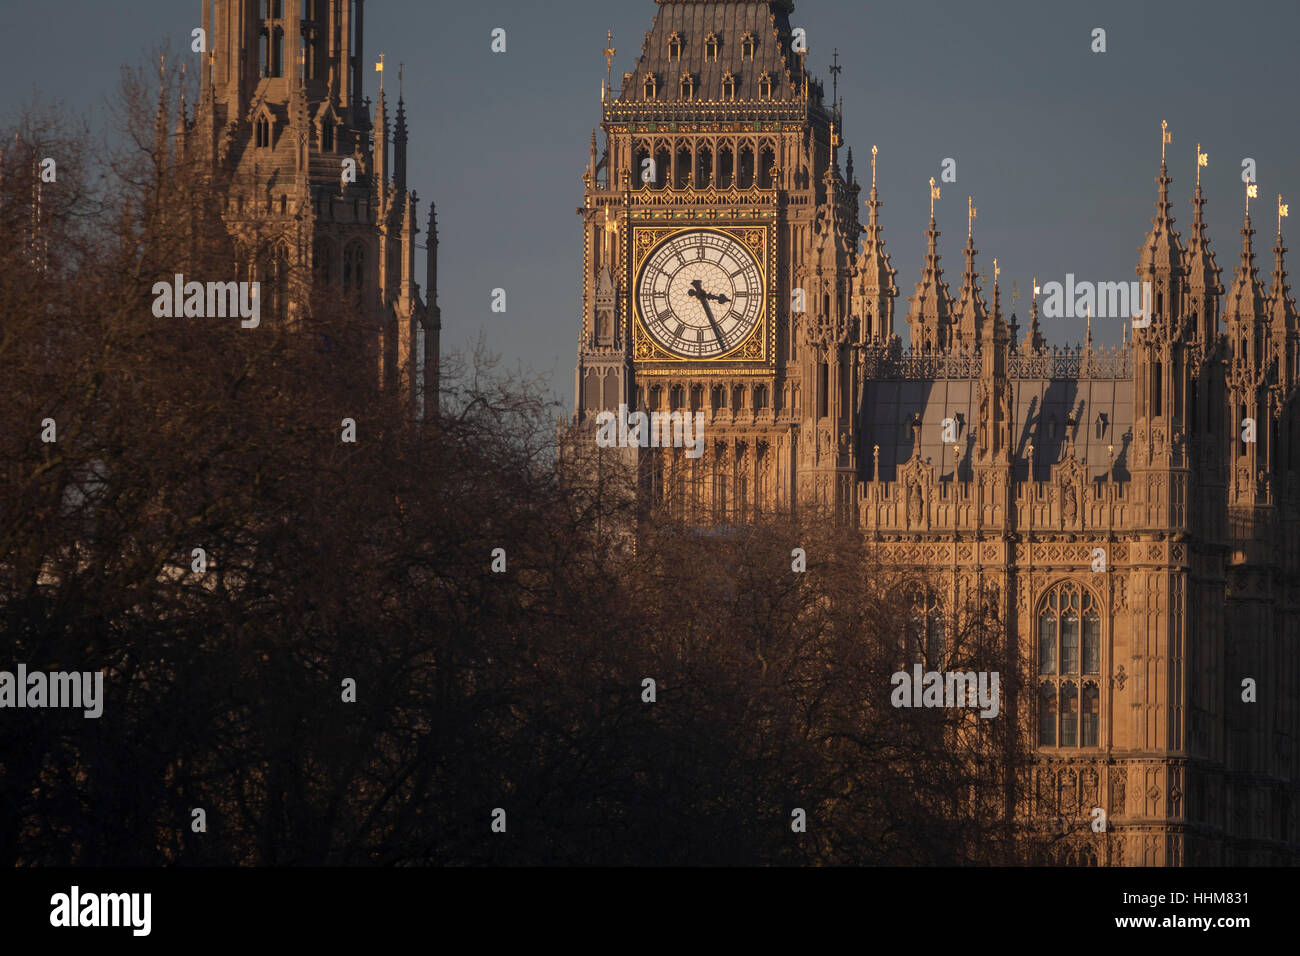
1058 145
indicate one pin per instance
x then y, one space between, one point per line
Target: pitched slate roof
767 21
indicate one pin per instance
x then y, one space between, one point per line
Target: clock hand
697 290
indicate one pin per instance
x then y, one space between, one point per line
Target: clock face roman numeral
699 293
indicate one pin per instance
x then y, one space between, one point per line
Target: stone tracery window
354 267
924 637
1069 667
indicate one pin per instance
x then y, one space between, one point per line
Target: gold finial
1283 211
1252 192
609 64
1202 159
874 150
1166 138
934 194
379 68
1036 289
971 215
996 272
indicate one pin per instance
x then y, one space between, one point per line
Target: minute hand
698 292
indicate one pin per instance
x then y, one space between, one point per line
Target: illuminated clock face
700 294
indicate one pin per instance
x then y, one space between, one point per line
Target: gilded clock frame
756 353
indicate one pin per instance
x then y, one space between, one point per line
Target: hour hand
697 291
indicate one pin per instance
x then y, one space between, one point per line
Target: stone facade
317 193
1143 556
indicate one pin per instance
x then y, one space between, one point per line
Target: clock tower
719 265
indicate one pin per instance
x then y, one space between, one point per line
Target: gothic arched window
747 46
642 175
766 163
728 87
764 87
651 87
688 86
277 53
662 167
745 176
322 261
924 636
675 46
264 53
726 167
354 267
263 132
1069 649
676 398
1046 716
1090 728
760 397
273 275
703 166
682 176
711 48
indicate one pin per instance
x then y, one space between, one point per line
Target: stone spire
381 141
929 316
160 135
182 120
1244 306
399 139
1203 285
1282 318
1036 340
874 286
1161 254
972 312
